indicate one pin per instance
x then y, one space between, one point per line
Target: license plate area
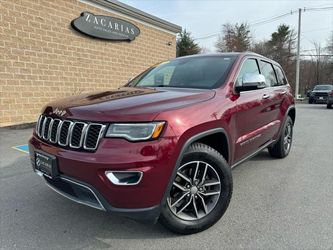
47 164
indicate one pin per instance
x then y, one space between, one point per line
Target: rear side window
280 76
249 66
268 71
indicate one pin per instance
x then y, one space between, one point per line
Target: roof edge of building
138 14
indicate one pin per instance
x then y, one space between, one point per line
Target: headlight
136 131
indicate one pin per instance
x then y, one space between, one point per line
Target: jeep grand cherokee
163 146
320 93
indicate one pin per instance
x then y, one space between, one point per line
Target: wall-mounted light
169 43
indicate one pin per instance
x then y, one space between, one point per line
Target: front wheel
200 193
329 105
282 147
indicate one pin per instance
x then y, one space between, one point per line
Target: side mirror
252 81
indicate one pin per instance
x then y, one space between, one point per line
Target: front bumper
82 174
320 99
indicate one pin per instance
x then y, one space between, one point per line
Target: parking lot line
23 148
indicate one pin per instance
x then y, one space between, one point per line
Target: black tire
329 105
310 101
198 219
279 150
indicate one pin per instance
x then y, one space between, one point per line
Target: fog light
124 178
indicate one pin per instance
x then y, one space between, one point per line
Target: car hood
126 104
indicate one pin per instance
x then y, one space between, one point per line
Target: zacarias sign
105 27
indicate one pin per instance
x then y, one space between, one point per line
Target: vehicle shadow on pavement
262 156
34 211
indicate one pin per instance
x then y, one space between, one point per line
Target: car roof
324 85
222 54
237 54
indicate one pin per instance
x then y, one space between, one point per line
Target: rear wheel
282 147
329 105
200 193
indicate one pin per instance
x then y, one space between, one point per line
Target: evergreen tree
186 45
282 43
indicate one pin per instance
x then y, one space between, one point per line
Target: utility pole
298 52
318 62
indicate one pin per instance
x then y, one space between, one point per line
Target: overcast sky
205 17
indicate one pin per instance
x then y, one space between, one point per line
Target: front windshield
204 72
323 87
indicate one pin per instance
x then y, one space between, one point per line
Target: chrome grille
72 134
64 132
93 133
40 125
77 134
46 127
54 131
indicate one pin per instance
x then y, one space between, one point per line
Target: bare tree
329 46
317 58
234 38
204 50
327 61
261 48
224 42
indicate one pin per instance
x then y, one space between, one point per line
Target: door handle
266 96
284 92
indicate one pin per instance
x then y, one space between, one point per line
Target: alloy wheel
287 138
195 191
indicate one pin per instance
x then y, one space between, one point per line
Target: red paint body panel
188 112
128 104
152 158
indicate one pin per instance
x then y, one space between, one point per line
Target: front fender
184 142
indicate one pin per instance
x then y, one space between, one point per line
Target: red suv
163 146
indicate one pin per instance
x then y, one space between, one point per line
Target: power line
270 19
208 36
315 30
256 23
317 55
267 20
318 8
306 50
304 37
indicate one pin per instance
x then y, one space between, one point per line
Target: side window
280 76
249 66
268 71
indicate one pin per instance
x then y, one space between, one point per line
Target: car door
278 91
254 117
280 94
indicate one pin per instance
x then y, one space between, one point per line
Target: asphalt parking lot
277 204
